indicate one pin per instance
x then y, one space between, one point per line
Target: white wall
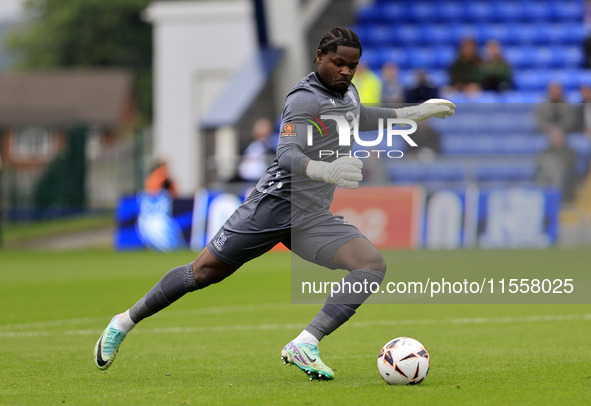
197 48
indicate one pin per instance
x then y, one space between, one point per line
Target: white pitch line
297 326
174 313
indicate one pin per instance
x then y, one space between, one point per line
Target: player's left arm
439 108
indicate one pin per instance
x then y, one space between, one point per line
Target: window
32 142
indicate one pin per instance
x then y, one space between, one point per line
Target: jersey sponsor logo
288 130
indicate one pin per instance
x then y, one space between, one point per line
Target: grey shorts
263 221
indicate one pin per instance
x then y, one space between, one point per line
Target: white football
403 361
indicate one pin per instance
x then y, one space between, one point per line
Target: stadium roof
94 97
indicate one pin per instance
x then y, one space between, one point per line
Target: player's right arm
298 109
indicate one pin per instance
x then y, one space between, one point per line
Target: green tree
88 33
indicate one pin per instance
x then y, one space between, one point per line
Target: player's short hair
339 36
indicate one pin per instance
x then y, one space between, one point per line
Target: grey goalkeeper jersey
307 133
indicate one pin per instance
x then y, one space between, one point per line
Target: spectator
159 179
368 84
495 71
555 111
583 112
422 89
464 71
427 139
555 166
392 89
257 155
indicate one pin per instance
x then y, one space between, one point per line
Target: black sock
342 305
171 287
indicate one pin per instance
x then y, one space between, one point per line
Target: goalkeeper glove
345 171
439 108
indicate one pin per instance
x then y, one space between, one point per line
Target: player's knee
207 273
374 261
377 263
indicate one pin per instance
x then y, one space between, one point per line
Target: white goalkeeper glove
345 171
439 108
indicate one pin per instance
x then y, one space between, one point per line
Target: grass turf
221 345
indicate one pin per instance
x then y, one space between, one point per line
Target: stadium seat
421 58
461 31
536 11
528 34
509 11
480 11
393 12
518 57
379 35
450 11
421 12
444 56
438 35
409 34
369 14
399 56
500 32
568 11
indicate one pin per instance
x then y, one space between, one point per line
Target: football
403 361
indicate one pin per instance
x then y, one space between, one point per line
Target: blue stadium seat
528 34
536 11
444 56
406 172
505 171
371 56
509 11
530 79
438 34
519 144
568 11
439 77
399 56
421 57
584 77
450 11
569 78
575 34
572 56
480 11
393 11
518 57
379 35
461 31
369 14
421 12
500 32
444 172
408 34
523 97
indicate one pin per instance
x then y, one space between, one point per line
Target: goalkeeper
291 205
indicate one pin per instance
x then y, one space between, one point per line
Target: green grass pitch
221 346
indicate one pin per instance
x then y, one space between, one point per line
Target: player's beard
341 86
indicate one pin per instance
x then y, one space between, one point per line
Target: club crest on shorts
219 241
